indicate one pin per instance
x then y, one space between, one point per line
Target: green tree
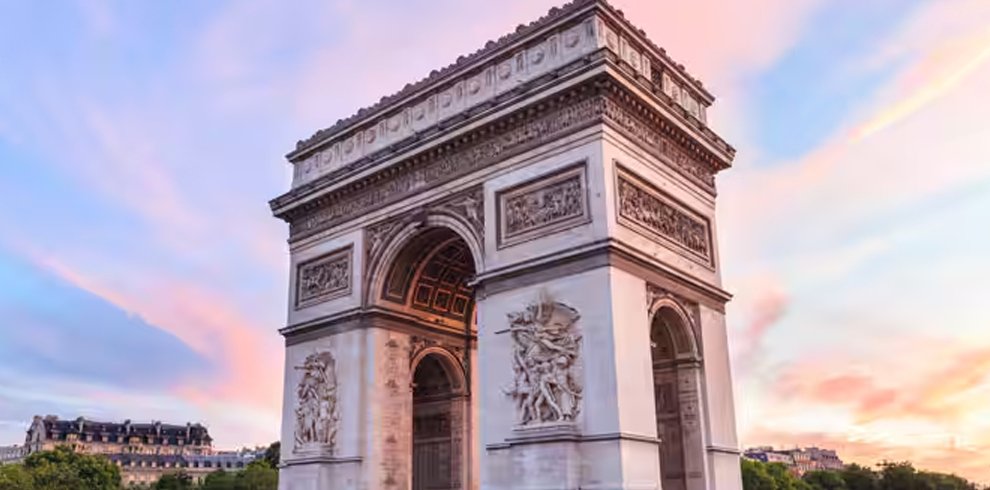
942 481
15 477
859 477
273 454
219 480
756 477
899 476
825 480
257 476
784 479
64 469
174 481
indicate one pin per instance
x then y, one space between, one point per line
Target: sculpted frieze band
495 144
650 211
323 278
552 119
660 145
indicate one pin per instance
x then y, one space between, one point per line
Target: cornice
602 99
510 134
462 65
561 37
557 80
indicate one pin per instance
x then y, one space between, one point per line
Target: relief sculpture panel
652 212
324 278
546 353
544 206
316 406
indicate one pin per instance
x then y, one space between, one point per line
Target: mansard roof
492 49
172 431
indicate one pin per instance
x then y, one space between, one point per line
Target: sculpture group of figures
543 206
324 277
316 412
546 349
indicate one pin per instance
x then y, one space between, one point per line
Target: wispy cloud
875 357
170 150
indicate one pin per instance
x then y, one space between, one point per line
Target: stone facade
532 295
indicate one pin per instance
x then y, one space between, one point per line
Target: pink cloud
205 321
760 304
919 398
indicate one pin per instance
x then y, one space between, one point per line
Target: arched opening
670 345
427 282
435 442
429 277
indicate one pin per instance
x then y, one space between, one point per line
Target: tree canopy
61 469
889 476
64 469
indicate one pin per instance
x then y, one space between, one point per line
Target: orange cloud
917 398
945 455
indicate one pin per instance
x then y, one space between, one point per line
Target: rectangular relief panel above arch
655 214
544 205
324 278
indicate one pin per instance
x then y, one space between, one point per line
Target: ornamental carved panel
316 411
546 355
655 214
543 206
324 278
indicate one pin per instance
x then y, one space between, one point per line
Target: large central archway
426 279
429 277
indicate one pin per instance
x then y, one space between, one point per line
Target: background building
93 437
143 452
11 454
799 460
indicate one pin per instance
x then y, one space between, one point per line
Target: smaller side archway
677 378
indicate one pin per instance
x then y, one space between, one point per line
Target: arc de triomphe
505 276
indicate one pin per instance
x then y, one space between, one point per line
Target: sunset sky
142 275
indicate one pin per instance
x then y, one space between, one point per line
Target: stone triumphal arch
505 276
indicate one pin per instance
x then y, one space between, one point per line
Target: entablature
582 33
602 99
